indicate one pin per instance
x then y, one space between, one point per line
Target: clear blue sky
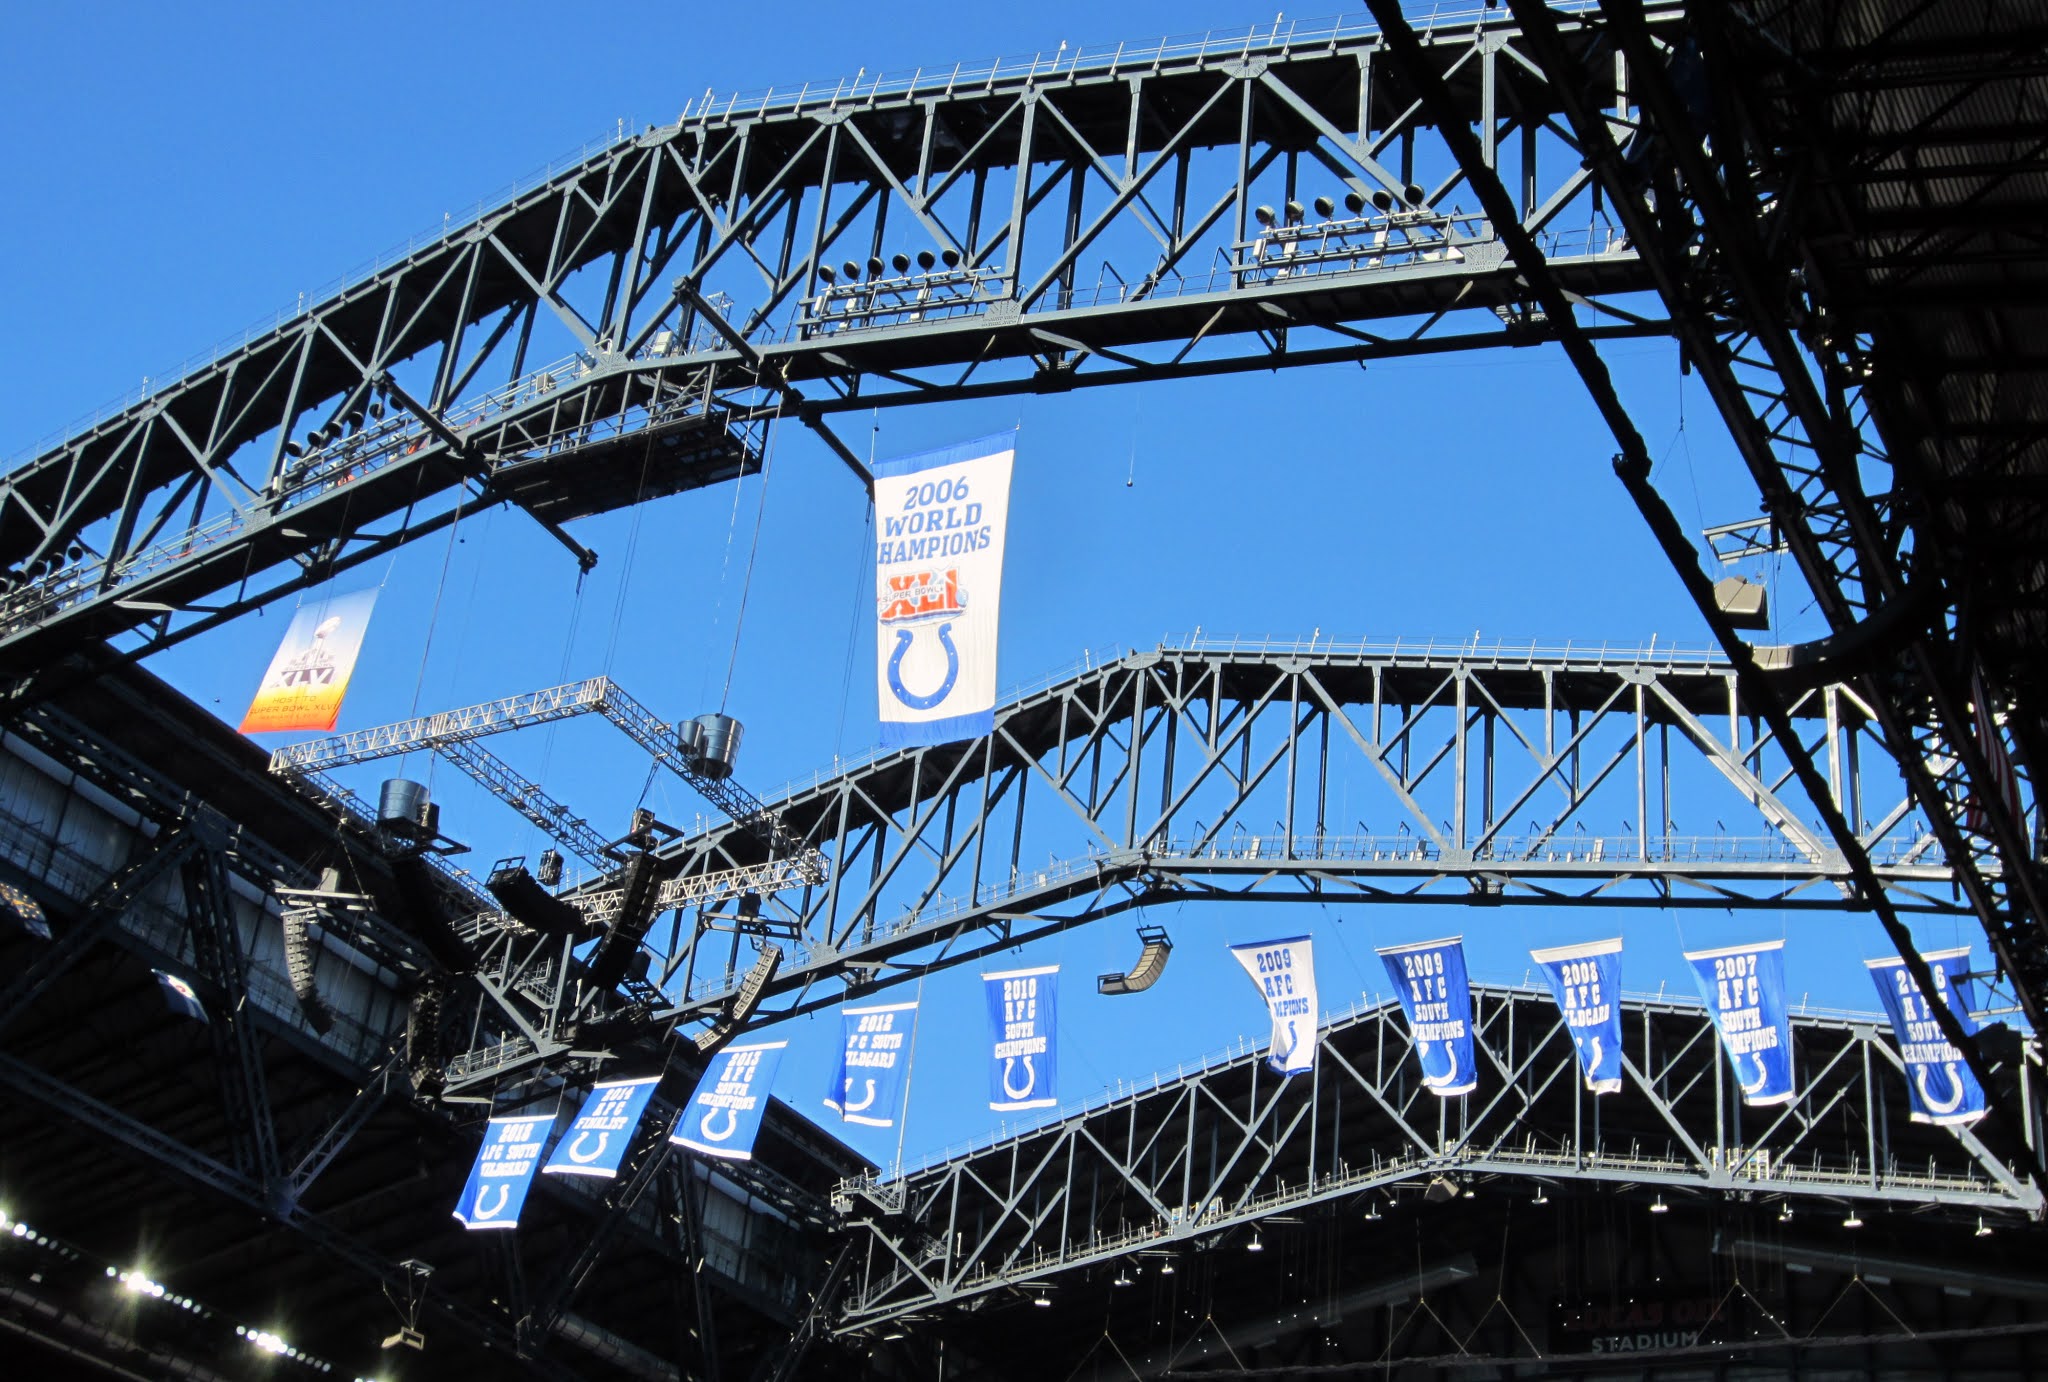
177 172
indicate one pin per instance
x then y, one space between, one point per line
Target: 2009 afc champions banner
872 1063
497 1185
1744 986
310 673
1437 999
724 1115
940 518
1023 1006
1586 982
1285 972
596 1142
1943 1091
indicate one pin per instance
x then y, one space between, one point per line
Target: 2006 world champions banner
1943 1091
940 518
1285 972
596 1142
1022 1011
1586 981
497 1185
1437 998
724 1114
1744 986
310 673
872 1063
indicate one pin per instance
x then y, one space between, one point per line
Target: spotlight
926 260
950 258
1042 1302
1382 199
1166 1269
1354 203
1442 1189
1983 1229
1785 1214
1372 1212
825 273
1854 1220
1294 213
1264 215
1541 1198
1325 208
1122 1279
1256 1245
376 411
851 270
1413 193
900 263
875 266
1659 1207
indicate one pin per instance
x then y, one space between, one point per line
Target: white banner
1285 972
939 523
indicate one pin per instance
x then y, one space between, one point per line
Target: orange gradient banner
309 675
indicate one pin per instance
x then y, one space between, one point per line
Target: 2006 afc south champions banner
1435 995
940 517
1942 1089
1744 986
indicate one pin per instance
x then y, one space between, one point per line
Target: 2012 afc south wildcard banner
940 518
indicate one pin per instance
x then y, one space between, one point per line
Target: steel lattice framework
1207 1151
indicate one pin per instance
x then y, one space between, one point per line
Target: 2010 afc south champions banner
1744 986
310 673
1586 981
1943 1091
1022 1013
1285 972
1437 998
872 1063
503 1173
596 1141
940 517
723 1116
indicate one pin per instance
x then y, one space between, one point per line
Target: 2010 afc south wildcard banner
503 1173
1437 998
1943 1091
1586 981
1744 986
1285 971
940 517
1022 1011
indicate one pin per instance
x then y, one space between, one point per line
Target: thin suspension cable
739 621
433 621
632 550
732 524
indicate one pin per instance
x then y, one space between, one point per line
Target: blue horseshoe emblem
909 697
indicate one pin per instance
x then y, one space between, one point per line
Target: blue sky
181 172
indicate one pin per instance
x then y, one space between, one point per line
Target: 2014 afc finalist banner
503 1172
872 1063
940 518
723 1116
1744 986
1022 1017
597 1140
1285 972
1586 981
1437 998
310 673
1943 1091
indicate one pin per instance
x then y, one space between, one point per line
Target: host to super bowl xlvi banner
939 521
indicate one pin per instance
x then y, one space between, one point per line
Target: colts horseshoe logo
1763 1076
732 1123
850 1106
577 1154
504 1194
903 693
1030 1077
1955 1084
1448 1078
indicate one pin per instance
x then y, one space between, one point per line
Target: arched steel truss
1209 1150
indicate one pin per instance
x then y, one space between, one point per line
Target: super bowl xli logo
315 666
935 598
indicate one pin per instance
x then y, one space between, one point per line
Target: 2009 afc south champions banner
940 517
1437 998
1586 981
310 673
1285 972
1744 986
503 1173
596 1141
1022 1011
723 1116
1943 1091
872 1064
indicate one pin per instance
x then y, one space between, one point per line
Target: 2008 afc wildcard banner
1435 995
1586 981
1943 1091
1744 986
1022 1011
940 518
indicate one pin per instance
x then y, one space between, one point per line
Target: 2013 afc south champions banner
723 1116
1022 1013
1943 1091
596 1141
872 1063
940 518
1285 972
1744 986
1586 981
1437 998
503 1173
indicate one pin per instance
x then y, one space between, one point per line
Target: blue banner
180 997
872 1063
1744 986
1435 995
597 1140
1023 1007
1285 972
1586 981
1943 1090
723 1116
503 1173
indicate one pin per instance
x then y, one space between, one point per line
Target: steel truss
1280 198
1178 1165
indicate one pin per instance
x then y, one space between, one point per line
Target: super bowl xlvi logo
924 599
315 665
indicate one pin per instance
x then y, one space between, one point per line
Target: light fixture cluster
270 1342
140 1284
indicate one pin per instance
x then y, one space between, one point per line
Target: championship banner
872 1064
596 1141
179 996
1744 986
1437 998
940 518
1285 972
503 1172
1022 1010
309 675
1586 981
1943 1090
723 1116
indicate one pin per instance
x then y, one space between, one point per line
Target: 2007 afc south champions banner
940 518
1022 1011
1744 986
1437 999
1943 1091
1586 981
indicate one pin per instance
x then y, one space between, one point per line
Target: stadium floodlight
1659 1207
1983 1229
1854 1220
1257 1244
